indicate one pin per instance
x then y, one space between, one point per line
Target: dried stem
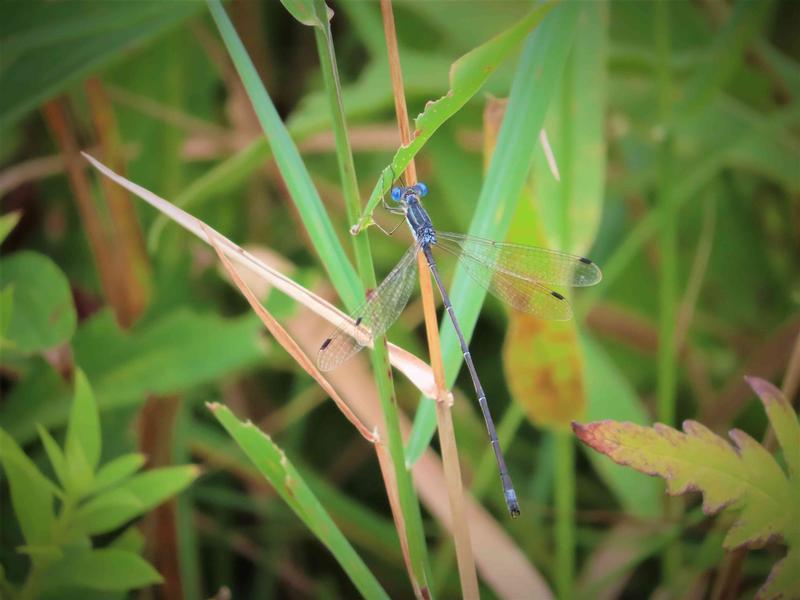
452 469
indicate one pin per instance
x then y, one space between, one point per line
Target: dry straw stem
56 113
444 399
127 235
412 367
286 341
293 348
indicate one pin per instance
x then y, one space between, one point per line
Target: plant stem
668 254
565 512
409 505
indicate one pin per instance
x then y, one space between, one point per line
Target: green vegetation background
697 223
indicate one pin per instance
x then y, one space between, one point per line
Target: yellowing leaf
744 476
544 368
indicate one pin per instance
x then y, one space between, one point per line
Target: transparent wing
373 317
527 262
523 294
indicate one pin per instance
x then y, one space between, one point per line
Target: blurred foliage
179 122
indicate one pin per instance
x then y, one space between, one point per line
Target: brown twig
56 113
447 441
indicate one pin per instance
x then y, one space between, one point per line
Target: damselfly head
421 189
397 194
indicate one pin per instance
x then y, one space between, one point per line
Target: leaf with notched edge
745 477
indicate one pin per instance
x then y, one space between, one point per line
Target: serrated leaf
139 494
83 428
745 477
116 470
31 493
42 314
109 569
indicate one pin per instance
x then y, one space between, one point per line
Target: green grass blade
273 464
545 53
297 178
570 209
409 504
467 76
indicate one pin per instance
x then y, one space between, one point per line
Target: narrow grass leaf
467 75
544 53
570 209
273 464
292 168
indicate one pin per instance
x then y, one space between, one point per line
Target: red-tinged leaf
744 476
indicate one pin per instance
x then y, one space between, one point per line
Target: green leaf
544 53
137 495
166 356
6 311
303 11
31 493
571 208
106 512
467 76
83 428
47 46
116 470
104 570
745 23
7 223
55 454
43 313
273 464
293 170
131 540
746 477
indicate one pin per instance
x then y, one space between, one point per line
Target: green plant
744 478
93 499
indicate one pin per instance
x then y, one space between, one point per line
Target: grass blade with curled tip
544 53
467 75
273 464
298 180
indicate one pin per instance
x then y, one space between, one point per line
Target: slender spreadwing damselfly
518 275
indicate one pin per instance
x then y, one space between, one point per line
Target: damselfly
517 274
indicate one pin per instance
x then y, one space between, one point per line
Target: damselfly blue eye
422 189
397 193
